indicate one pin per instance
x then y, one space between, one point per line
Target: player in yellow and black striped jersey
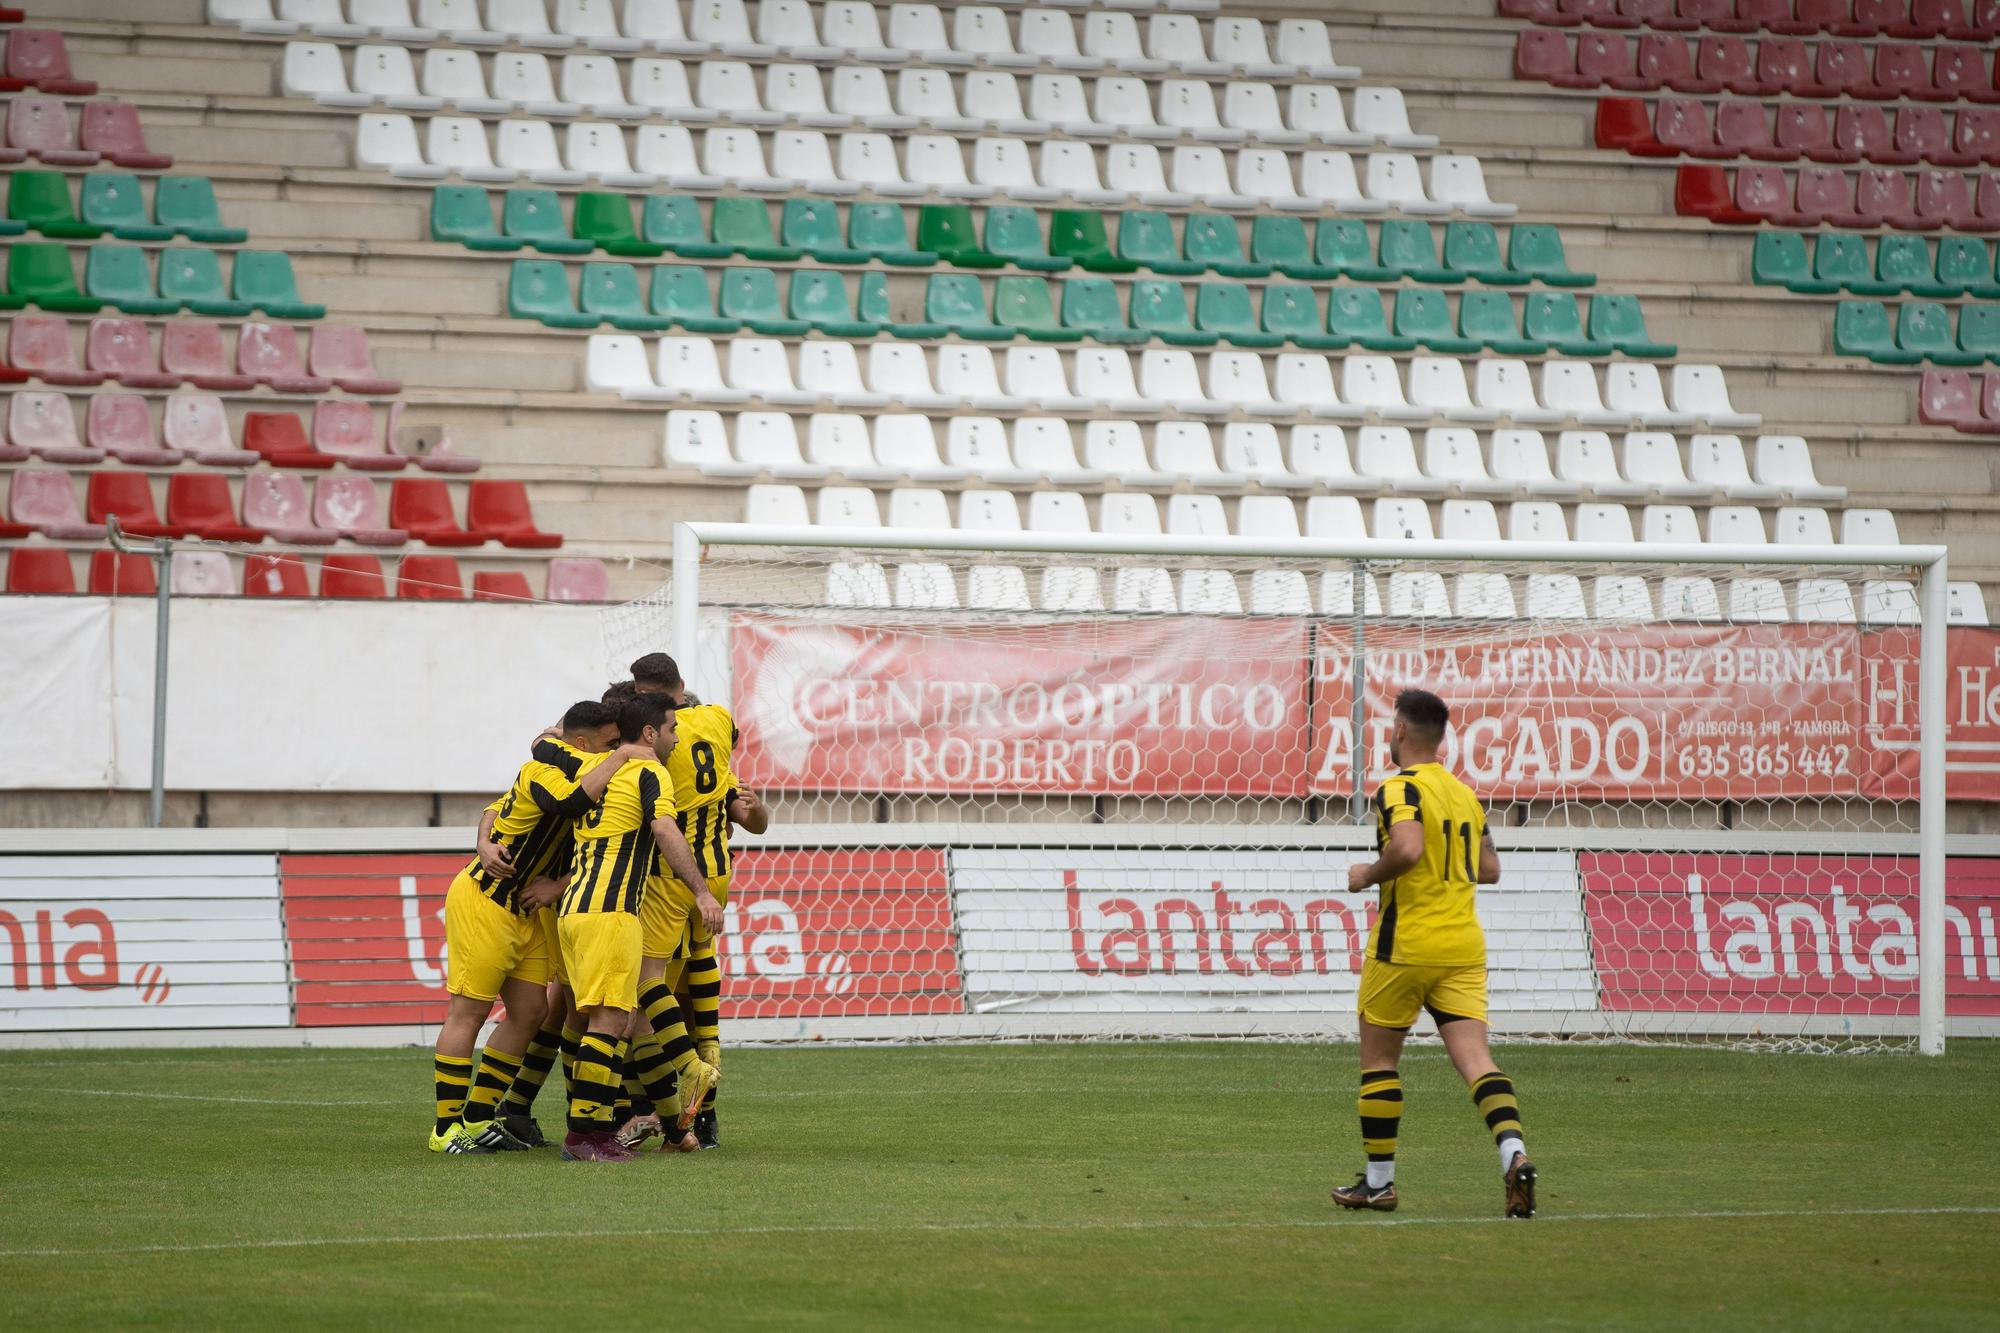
495 946
1428 952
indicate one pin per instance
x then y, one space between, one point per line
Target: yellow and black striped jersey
1426 914
533 818
615 850
704 783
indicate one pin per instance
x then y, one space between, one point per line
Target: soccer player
620 845
495 946
1428 952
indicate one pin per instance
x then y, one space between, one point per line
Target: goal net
1085 785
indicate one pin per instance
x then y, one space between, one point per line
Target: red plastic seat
1703 190
1945 200
575 580
349 506
1976 134
1820 194
112 129
351 576
339 352
1986 204
1802 131
45 500
195 423
500 510
1985 24
502 586
345 429
274 576
1842 67
39 344
421 506
113 574
1770 16
39 127
192 349
1936 18
1546 57
279 438
1665 62
1900 71
1965 73
44 424
1725 61
122 426
128 497
1988 420
200 503
1863 131
1923 136
270 354
430 578
38 570
1881 198
1741 131
1623 123
1719 15
1826 16
1680 126
37 58
1783 64
277 503
1602 12
1605 59
121 349
1535 11
1947 398
1646 13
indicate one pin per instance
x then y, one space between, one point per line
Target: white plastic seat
919 507
966 372
738 155
830 370
696 439
459 20
1965 603
925 95
458 143
1653 459
1059 99
1124 105
1335 518
315 70
725 25
1196 516
780 505
925 586
1064 588
1035 376
1317 113
1113 38
592 81
770 441
1394 180
838 441
662 86
1049 34
1319 454
1634 388
1265 174
1251 110
1736 525
1458 183
788 26
1823 601
979 445
1251 448
1393 517
1187 449
1104 376
996 99
1555 597
1210 592
1700 392
802 158
1304 42
667 151
1784 462
728 87
1003 165
1620 597
862 91
982 31
1673 525
1203 173
1585 458
1689 597
1419 595
1070 169
1757 599
1453 458
1889 602
1305 380
1279 592
1388 452
1135 168
1381 114
1867 527
596 150
1437 384
593 23
935 163
1477 594
389 19
1188 105
794 91
1118 448
1570 388
657 23
1327 174
529 147
523 78
1240 42
457 77
616 363
1237 379
1126 514
760 367
1044 446
1172 377
1521 458
1542 521
386 74
688 368
1371 383
1175 40
1717 461
920 29
857 583
525 22
1503 385
852 26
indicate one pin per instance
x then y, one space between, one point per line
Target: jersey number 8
703 755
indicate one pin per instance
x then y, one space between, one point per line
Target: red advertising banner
1178 706
1972 712
810 934
1715 933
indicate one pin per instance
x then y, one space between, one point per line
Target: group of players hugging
591 911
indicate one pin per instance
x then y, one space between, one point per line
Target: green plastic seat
820 299
1090 305
1024 304
193 278
871 303
187 204
946 230
535 216
1840 263
674 221
1354 315
1487 318
1211 240
1924 327
1861 328
539 289
812 226
878 231
1280 241
1340 245
1146 240
8 300
1779 259
1013 234
40 199
1426 317
464 214
1903 264
680 294
39 273
1079 235
1965 265
958 301
751 295
263 279
611 292
1408 250
1224 308
605 220
1536 250
114 202
1555 319
1160 308
1473 248
745 225
1290 312
119 276
1620 321
1979 331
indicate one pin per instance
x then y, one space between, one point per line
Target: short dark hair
1427 714
657 669
648 710
587 716
688 699
619 693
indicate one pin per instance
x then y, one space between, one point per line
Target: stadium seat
186 204
40 200
193 279
40 345
578 580
41 571
196 424
43 424
345 430
127 497
429 578
278 438
121 426
111 130
41 275
499 511
200 504
343 577
39 127
120 350
193 350
270 354
422 507
118 275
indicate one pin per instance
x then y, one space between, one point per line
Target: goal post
1716 773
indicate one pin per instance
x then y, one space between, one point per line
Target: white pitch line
189 1096
947 1228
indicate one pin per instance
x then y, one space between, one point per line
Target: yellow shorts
601 953
1393 994
673 928
545 920
486 945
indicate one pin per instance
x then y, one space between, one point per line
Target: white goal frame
693 540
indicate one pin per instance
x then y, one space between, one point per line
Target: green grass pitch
1080 1186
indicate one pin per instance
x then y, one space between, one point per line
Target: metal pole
161 552
687 603
1358 802
1931 677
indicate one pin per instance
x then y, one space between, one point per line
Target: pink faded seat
1664 61
340 353
196 424
39 127
121 349
112 129
202 574
1546 57
1681 124
39 344
1976 134
1901 70
1605 59
1863 133
576 580
350 507
345 429
122 426
1784 65
37 58
192 349
1965 72
45 424
270 354
44 499
277 503
1726 61
1922 135
1802 131
1881 198
1842 67
1945 200
1741 131
1947 398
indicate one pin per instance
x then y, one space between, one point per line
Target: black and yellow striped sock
453 1080
1493 1094
607 1119
535 1066
570 1037
496 1072
704 989
663 1013
648 1066
1381 1105
590 1087
621 1106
